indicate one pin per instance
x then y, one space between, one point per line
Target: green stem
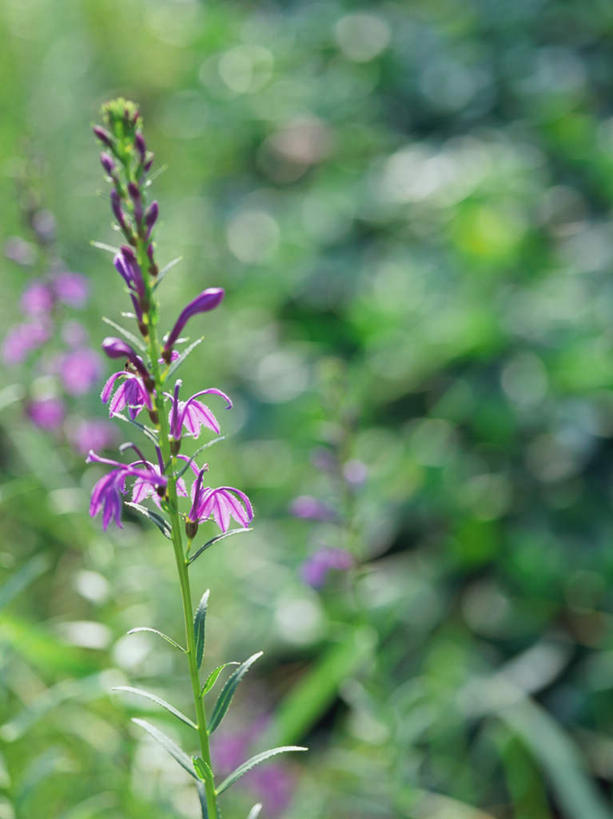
177 540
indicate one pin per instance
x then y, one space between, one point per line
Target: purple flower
223 503
192 414
74 334
107 162
80 370
91 433
46 413
71 289
131 394
143 489
355 472
207 300
107 492
37 299
306 506
22 338
116 348
316 568
129 269
20 251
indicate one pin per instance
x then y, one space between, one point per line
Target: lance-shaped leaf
202 797
166 269
159 701
134 340
159 521
212 678
169 745
255 811
214 540
148 431
197 452
227 692
176 364
159 634
104 246
256 760
199 624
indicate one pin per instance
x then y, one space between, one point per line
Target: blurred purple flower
91 433
37 299
22 338
80 370
192 414
315 569
74 334
355 472
20 251
107 492
71 289
306 506
131 394
46 413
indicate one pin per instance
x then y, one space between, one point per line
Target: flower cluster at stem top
141 385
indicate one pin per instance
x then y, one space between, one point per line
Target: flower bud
117 348
103 135
151 217
107 163
141 146
207 300
191 529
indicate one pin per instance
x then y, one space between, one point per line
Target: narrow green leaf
255 811
176 364
214 540
148 431
159 634
199 623
227 692
202 797
104 246
159 521
166 269
22 578
256 760
197 452
213 676
203 769
169 745
135 340
154 698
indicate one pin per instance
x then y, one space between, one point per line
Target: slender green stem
177 540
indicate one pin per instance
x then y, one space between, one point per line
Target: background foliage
408 205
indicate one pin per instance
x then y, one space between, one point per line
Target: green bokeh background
408 205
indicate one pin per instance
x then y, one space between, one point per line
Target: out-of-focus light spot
299 621
288 153
362 36
327 218
563 210
485 607
177 24
488 232
450 86
524 380
433 442
252 236
85 633
246 68
277 456
92 586
489 496
549 460
130 651
281 376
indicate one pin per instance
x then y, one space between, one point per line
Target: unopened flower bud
191 529
107 163
141 146
103 135
207 300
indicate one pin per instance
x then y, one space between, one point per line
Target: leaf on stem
203 769
135 340
104 246
154 698
214 540
150 433
169 745
199 622
166 269
159 521
159 634
197 452
227 692
255 811
213 677
256 760
176 364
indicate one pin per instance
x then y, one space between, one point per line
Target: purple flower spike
118 212
108 491
71 289
80 370
310 508
136 200
207 300
192 414
116 348
103 135
141 146
315 570
91 433
131 394
46 413
128 268
221 503
37 299
23 338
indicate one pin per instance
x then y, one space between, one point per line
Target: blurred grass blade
159 634
104 246
126 333
22 578
212 678
255 811
169 745
165 270
199 626
154 698
227 692
158 520
176 364
214 540
318 688
256 760
558 758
